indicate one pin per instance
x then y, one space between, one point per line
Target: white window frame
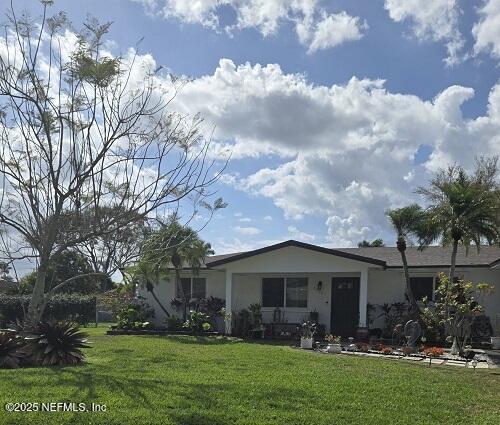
284 292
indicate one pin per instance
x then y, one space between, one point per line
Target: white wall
247 289
165 291
388 286
295 260
384 286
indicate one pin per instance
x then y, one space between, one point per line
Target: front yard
189 380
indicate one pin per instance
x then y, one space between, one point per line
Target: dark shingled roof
433 256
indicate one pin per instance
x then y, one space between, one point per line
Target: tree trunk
152 292
37 301
451 278
414 309
182 294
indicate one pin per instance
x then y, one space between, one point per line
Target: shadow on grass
187 403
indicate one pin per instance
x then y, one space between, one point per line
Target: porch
291 281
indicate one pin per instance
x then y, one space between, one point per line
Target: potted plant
307 331
495 339
333 344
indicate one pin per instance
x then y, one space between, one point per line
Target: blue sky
321 145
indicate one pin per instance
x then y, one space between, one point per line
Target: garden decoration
412 333
307 329
333 344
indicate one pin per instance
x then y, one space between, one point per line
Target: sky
333 110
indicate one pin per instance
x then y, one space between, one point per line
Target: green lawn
185 380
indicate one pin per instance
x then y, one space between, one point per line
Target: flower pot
334 348
495 342
306 343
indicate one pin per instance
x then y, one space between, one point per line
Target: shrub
56 343
173 323
115 300
11 353
387 350
198 322
73 307
135 316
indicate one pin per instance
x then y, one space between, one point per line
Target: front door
345 306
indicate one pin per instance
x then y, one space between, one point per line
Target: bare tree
80 130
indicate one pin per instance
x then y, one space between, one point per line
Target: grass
189 380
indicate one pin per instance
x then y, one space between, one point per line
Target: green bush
78 308
135 316
198 322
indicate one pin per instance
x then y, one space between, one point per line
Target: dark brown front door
345 306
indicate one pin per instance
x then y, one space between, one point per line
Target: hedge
76 307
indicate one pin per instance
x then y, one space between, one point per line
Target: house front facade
339 285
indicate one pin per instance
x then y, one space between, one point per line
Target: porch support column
363 299
229 290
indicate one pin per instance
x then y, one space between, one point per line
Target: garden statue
412 333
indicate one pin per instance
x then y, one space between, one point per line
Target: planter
495 342
334 348
306 343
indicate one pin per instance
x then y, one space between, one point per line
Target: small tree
170 247
453 312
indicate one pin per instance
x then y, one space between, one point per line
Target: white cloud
297 234
245 220
435 20
315 28
333 30
268 218
344 152
249 231
487 31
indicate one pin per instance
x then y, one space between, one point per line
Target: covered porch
292 280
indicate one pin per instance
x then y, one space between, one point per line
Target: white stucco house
338 284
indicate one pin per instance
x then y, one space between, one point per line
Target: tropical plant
307 329
454 308
407 222
197 322
11 353
464 209
174 323
56 343
255 315
135 316
169 246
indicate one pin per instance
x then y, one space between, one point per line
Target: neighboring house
337 283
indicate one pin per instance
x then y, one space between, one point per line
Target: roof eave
297 244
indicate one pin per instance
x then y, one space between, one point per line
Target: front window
422 287
195 287
284 292
296 292
273 292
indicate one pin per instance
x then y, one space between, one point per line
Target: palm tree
172 245
464 209
407 223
